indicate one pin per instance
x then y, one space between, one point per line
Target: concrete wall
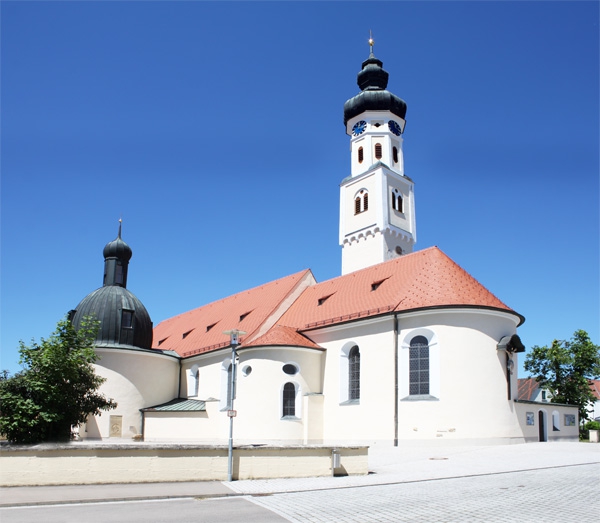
78 463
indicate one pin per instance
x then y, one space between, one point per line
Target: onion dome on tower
124 321
374 96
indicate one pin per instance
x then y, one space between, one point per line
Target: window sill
350 402
290 418
420 397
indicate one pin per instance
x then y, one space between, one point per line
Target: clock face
359 128
395 128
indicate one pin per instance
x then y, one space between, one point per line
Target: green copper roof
178 405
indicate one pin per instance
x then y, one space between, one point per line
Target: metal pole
235 341
230 413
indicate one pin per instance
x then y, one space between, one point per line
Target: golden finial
371 41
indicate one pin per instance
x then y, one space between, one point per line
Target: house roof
253 311
420 280
528 388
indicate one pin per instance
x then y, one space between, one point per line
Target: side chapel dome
124 321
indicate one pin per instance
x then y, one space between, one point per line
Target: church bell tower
377 211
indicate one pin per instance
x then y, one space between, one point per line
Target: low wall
86 463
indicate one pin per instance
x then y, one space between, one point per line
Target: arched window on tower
419 366
397 203
378 153
354 373
361 202
361 155
395 154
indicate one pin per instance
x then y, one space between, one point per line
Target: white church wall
135 380
469 396
370 418
259 395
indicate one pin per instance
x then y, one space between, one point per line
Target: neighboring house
529 390
381 354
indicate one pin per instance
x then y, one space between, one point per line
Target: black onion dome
124 321
374 96
118 249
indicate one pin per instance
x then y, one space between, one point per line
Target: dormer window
210 327
243 316
376 284
324 299
126 319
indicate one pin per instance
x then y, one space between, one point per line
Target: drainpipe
396 380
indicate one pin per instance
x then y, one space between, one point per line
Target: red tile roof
423 279
419 280
280 335
528 388
253 311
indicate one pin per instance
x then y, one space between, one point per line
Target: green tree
57 388
565 369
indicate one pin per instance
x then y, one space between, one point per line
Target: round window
247 370
290 369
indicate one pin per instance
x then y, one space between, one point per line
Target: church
404 346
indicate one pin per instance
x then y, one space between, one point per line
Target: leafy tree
565 369
57 388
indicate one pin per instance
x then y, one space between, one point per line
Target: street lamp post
234 337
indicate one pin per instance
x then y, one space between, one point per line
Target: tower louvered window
361 155
395 154
365 201
354 373
357 206
397 202
419 366
289 400
378 153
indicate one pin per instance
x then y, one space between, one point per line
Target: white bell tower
377 210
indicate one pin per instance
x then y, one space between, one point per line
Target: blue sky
216 131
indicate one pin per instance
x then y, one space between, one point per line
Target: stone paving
562 494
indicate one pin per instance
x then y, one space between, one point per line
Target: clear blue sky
215 130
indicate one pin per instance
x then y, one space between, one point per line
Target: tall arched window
378 153
361 155
419 366
354 373
289 400
395 154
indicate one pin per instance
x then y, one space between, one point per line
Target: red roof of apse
253 311
422 279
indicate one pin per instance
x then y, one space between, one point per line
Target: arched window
354 373
395 154
361 202
193 381
419 366
289 400
378 153
361 155
397 203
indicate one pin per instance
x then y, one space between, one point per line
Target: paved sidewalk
388 466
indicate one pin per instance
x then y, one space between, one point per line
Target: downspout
396 379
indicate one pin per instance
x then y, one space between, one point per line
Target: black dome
118 249
124 321
374 96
